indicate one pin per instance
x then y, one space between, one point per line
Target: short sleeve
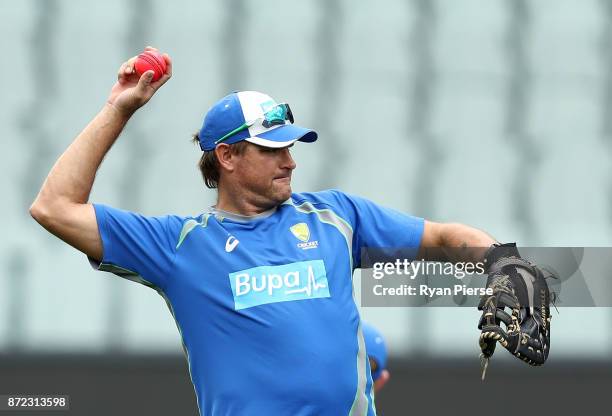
374 226
137 247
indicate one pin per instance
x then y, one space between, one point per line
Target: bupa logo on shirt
282 283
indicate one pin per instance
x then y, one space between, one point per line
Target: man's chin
283 193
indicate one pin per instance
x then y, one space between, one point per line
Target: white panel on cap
252 109
251 102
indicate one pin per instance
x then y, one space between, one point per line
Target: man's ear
225 157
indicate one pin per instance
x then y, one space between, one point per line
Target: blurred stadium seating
492 113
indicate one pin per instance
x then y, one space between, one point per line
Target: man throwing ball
260 285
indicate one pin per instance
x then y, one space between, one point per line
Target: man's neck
220 213
241 202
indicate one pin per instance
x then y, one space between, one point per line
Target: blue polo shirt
264 305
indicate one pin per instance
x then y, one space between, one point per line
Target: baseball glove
517 314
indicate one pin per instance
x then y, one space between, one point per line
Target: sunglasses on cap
275 116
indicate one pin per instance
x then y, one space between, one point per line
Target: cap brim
283 136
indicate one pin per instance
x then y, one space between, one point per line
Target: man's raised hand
131 91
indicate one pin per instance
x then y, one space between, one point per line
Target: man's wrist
116 112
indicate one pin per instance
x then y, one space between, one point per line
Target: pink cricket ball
150 60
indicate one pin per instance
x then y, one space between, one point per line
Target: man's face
265 174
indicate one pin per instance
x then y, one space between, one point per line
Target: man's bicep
378 227
78 227
137 244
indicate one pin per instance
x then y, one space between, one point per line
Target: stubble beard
272 195
281 193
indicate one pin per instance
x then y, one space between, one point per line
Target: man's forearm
72 176
461 236
454 243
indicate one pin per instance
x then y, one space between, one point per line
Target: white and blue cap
375 348
254 117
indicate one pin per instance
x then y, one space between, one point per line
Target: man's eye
275 149
271 150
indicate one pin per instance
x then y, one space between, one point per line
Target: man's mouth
283 178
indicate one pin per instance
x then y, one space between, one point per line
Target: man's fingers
121 71
127 68
145 87
167 75
126 71
130 64
144 83
168 64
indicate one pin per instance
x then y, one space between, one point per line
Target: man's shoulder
173 224
341 203
122 211
181 223
331 197
178 221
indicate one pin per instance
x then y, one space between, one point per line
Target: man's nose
288 161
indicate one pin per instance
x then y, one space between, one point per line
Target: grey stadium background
491 113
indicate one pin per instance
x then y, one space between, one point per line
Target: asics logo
231 244
283 283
